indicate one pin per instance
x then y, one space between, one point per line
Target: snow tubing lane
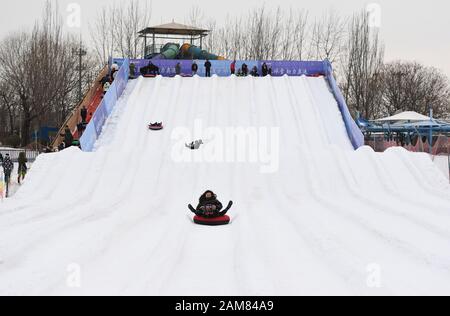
218 221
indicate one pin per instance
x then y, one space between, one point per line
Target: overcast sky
411 30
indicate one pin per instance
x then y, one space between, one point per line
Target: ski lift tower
157 36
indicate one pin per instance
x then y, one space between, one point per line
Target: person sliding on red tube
155 126
209 206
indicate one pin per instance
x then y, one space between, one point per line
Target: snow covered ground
442 163
328 220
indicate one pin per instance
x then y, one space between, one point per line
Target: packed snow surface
315 218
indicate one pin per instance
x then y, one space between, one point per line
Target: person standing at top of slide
265 70
194 68
208 66
84 114
68 137
178 69
233 67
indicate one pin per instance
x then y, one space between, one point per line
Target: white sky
411 30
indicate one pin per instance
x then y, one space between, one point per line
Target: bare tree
102 36
39 68
410 86
8 109
116 29
362 67
293 39
327 37
196 17
259 34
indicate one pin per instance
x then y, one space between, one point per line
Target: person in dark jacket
68 137
178 69
208 66
84 114
105 79
153 69
265 70
22 170
244 70
194 68
132 71
1 158
254 72
80 129
8 168
62 146
209 206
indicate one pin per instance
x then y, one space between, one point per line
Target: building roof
174 29
405 117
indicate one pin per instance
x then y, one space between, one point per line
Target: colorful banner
295 68
167 68
222 68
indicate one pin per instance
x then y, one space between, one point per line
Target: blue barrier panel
294 68
353 131
95 126
110 99
222 67
89 138
166 67
99 118
250 64
121 83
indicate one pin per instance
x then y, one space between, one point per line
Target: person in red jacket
233 67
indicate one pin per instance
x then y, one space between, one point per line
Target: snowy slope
320 224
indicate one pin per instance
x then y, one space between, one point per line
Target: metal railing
14 154
74 117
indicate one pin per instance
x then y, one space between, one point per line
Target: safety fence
14 154
95 126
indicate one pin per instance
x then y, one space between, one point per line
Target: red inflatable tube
155 128
217 221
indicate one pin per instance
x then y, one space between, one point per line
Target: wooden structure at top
171 32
